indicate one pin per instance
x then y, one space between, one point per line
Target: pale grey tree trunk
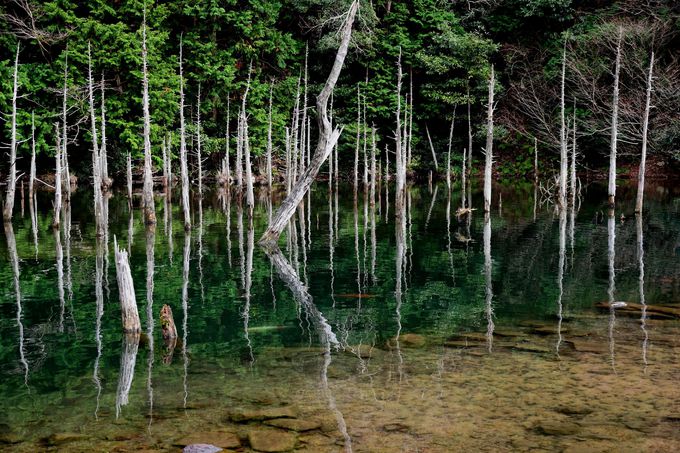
250 197
199 156
164 150
535 160
358 141
96 166
400 162
611 189
126 291
31 177
448 155
469 120
434 155
365 147
645 127
149 207
572 171
269 138
374 175
305 128
409 137
12 175
327 139
66 180
184 171
103 157
463 179
128 173
489 144
562 198
57 180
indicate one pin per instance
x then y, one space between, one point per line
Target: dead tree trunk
572 172
448 155
31 177
409 136
250 198
611 192
374 175
12 176
128 171
103 157
645 126
226 172
562 198
66 181
168 328
126 291
269 138
469 120
199 156
57 180
489 144
400 162
183 148
535 160
358 142
434 155
327 140
149 208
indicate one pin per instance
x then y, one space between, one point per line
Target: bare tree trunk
645 127
126 291
305 128
365 138
469 119
57 180
128 168
463 179
535 160
66 181
409 137
149 207
31 177
488 263
356 147
12 176
250 198
165 165
373 172
295 135
269 139
226 172
199 157
168 144
400 162
448 155
103 157
562 199
96 166
327 139
183 148
289 173
489 145
611 191
434 155
572 173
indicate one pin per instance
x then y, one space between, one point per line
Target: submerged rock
294 424
247 415
269 440
201 448
557 427
217 438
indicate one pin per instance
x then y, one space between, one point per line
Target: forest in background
446 47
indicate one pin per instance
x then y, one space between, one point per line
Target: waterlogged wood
128 358
645 127
611 188
168 328
327 140
489 144
126 291
12 175
184 171
147 194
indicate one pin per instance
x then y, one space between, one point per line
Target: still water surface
362 334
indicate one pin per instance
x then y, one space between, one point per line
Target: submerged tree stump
126 290
168 328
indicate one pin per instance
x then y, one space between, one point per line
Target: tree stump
126 290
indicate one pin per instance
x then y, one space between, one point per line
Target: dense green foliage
447 48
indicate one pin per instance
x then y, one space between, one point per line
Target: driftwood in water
12 176
126 290
328 137
168 328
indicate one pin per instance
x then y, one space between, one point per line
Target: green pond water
430 333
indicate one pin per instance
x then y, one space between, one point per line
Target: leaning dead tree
328 137
611 189
184 171
12 176
489 144
645 127
147 197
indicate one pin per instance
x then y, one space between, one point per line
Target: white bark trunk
57 180
149 207
12 176
645 127
96 167
562 198
66 180
448 155
469 120
31 177
184 171
327 139
103 157
400 161
358 142
250 197
269 139
611 192
199 156
126 291
434 155
128 171
489 144
572 170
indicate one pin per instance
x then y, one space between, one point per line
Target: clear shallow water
464 350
